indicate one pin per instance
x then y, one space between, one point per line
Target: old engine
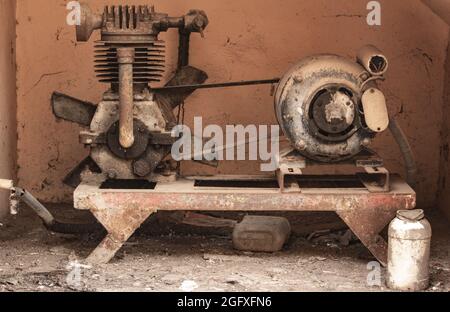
130 129
328 106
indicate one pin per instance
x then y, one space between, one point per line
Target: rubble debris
333 238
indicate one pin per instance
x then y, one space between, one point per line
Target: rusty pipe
406 150
20 194
49 220
125 57
373 60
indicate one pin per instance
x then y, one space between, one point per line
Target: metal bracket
290 166
376 178
286 178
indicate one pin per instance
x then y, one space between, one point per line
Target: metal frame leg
120 225
366 225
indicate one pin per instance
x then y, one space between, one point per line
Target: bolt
112 174
199 23
141 168
167 172
300 145
366 142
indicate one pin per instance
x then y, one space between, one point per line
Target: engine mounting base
122 211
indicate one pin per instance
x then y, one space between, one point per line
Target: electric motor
329 106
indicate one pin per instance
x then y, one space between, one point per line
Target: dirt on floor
167 257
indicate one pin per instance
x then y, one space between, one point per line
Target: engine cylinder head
148 64
137 27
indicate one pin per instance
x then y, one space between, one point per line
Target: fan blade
186 75
72 109
73 179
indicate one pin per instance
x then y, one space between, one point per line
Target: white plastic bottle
409 251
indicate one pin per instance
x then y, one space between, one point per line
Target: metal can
409 251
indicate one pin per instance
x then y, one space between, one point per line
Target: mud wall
245 40
442 9
7 97
444 191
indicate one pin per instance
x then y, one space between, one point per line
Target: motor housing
323 104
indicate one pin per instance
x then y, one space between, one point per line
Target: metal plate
375 110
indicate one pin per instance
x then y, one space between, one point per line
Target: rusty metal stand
367 224
291 165
120 224
121 211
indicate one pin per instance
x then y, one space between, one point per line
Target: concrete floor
33 259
